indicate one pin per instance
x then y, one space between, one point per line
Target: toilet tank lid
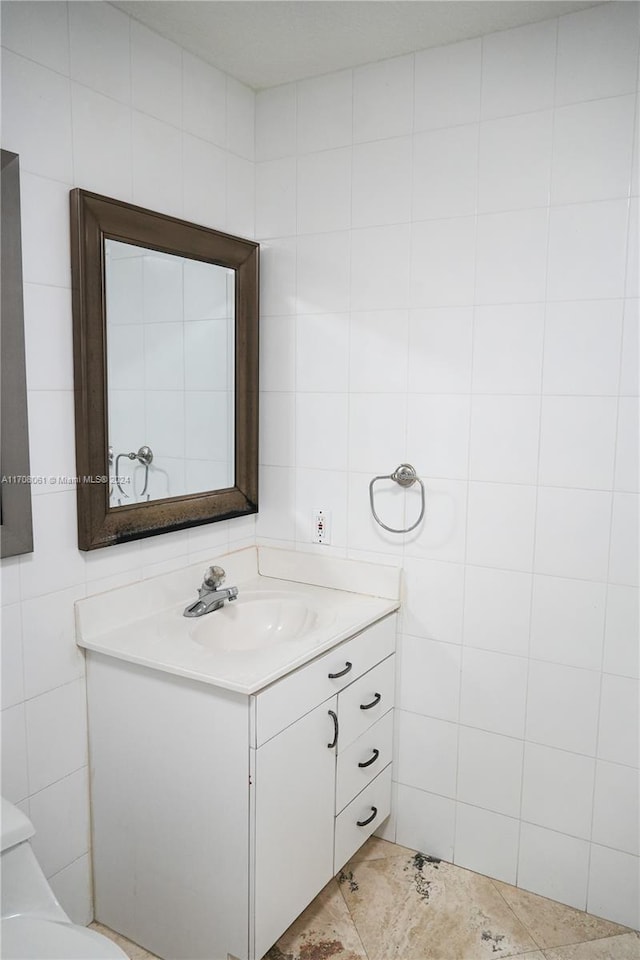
14 825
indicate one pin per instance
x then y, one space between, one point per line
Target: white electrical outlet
321 530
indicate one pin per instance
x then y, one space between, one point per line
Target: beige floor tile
416 908
624 947
133 951
325 931
553 924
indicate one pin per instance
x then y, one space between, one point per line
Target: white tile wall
490 771
39 109
99 38
567 621
61 818
500 384
445 164
592 150
486 842
614 885
382 161
204 100
582 72
496 610
518 70
447 85
425 821
508 348
567 806
460 295
582 348
619 727
434 742
324 192
555 865
156 66
492 695
562 707
383 99
94 100
616 817
587 244
515 162
41 33
12 656
440 350
517 238
430 677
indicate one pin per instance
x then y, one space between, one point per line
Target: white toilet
34 925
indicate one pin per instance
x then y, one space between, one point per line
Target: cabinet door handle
363 823
376 699
367 763
334 717
334 676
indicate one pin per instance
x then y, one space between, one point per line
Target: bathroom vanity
238 760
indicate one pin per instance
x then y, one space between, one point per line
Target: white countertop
143 623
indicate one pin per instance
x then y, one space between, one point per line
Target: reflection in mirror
170 374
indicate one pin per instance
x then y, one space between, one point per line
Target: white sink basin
300 606
256 620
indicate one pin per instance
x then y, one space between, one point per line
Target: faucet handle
213 577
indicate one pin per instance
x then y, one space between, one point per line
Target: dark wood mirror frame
16 531
95 219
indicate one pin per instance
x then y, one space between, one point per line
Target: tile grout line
360 862
512 909
560 946
351 917
536 496
467 480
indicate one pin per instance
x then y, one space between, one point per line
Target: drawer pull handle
334 676
334 717
363 823
376 699
367 763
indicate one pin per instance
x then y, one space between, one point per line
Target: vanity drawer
373 749
361 818
286 700
365 701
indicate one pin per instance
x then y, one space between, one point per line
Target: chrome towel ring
144 456
406 476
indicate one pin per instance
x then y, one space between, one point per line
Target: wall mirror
166 372
16 536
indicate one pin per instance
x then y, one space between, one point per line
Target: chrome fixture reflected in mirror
166 367
144 456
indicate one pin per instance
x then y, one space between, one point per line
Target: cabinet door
294 805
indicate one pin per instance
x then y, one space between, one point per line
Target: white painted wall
451 278
446 279
92 99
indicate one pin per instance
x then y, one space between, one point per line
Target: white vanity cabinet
294 822
218 816
322 782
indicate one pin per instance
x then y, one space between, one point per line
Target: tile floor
391 903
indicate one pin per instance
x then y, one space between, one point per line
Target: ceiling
267 42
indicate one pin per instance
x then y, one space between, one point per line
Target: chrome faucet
210 596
